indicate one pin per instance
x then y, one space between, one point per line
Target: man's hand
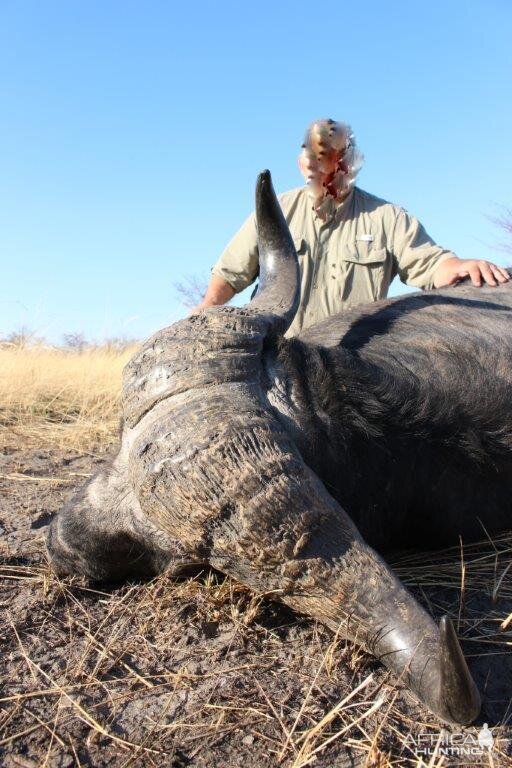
453 270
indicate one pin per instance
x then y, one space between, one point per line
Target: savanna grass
46 390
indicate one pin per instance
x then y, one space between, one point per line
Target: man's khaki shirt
349 259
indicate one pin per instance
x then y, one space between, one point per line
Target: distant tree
191 290
23 337
75 341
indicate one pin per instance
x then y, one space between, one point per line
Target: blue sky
132 132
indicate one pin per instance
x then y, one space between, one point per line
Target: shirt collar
335 211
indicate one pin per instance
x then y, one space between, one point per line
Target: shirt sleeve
238 264
417 255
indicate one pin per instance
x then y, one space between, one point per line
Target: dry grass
45 390
122 649
195 673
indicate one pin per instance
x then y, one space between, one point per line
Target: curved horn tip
264 177
459 698
265 194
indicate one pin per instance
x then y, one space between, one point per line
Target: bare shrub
192 290
23 337
75 341
504 222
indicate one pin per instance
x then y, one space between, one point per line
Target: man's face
321 160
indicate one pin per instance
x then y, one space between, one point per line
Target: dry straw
44 390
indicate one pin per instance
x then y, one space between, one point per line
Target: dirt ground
201 673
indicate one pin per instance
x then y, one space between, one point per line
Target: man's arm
236 268
424 264
218 292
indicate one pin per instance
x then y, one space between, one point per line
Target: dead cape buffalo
243 449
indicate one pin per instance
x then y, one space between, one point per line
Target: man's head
329 162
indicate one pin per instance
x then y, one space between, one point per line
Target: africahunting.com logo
468 744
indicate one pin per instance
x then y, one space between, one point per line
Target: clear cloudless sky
131 134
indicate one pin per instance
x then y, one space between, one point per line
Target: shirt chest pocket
364 266
364 253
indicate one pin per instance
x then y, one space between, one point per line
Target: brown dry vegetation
197 672
58 397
